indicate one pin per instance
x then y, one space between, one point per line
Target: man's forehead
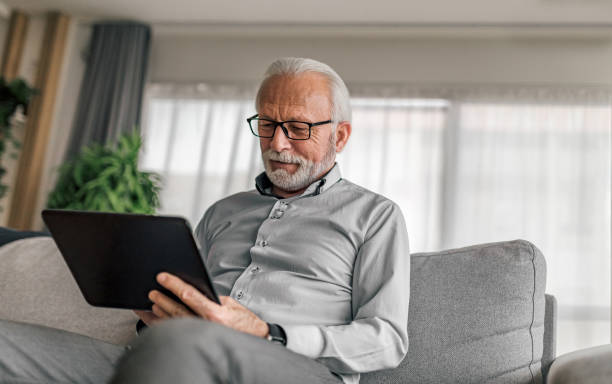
270 105
294 111
298 93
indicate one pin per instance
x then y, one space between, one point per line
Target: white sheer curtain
396 150
197 139
465 165
541 172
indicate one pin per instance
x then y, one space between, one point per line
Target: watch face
275 339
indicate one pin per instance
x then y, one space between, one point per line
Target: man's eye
266 124
297 128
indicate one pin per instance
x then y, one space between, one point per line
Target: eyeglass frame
283 128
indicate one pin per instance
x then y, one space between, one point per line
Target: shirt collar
264 185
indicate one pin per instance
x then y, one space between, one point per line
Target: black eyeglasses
294 130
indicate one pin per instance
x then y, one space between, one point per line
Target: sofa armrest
586 366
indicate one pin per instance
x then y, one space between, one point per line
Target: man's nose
280 142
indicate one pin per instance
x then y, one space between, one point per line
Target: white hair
292 66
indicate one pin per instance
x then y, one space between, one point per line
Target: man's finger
168 305
172 283
159 312
200 304
193 298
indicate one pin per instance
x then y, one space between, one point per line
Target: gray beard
306 173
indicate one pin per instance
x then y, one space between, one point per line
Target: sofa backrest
476 315
37 287
550 334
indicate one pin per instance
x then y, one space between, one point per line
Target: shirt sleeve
377 338
201 234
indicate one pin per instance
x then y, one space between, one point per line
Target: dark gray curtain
111 93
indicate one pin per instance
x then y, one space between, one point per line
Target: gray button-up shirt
331 266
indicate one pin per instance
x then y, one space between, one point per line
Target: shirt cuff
306 340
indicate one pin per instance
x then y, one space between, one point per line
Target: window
541 173
463 170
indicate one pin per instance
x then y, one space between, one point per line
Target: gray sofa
477 314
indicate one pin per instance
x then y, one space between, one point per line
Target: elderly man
313 270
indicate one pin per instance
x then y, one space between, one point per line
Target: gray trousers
175 351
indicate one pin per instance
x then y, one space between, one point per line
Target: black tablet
115 257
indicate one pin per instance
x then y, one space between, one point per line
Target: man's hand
231 313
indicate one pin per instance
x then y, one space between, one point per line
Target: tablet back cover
114 257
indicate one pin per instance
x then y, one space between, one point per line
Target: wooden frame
38 126
13 47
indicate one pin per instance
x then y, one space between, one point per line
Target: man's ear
343 132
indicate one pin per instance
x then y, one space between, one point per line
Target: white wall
410 60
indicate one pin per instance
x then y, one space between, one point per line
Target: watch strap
140 326
277 334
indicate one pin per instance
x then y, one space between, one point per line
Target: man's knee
184 338
182 350
178 334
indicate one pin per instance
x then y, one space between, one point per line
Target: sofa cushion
36 287
476 315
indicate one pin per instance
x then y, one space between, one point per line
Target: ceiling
443 13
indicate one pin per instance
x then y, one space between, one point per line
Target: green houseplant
13 94
106 178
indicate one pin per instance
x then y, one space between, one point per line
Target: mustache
284 157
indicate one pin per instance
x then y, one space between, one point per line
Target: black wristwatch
277 334
140 326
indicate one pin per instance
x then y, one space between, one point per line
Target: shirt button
255 269
264 243
239 295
